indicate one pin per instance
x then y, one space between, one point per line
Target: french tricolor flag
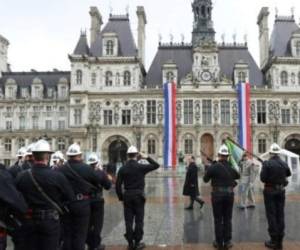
170 147
245 133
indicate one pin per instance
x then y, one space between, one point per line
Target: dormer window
50 92
109 48
170 76
10 92
24 92
108 78
297 48
63 92
127 78
170 72
241 77
37 92
94 78
284 78
79 77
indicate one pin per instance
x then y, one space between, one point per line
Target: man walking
132 177
191 187
274 175
222 177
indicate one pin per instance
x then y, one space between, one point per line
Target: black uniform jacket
275 171
221 174
132 175
105 183
191 187
16 169
54 184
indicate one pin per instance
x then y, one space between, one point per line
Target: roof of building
82 47
121 26
283 29
183 58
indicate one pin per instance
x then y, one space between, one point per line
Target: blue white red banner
245 133
170 147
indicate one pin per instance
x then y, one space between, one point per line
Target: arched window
61 143
127 78
151 147
79 77
109 48
22 122
203 11
298 48
284 78
7 145
94 78
170 76
21 143
241 77
188 146
108 78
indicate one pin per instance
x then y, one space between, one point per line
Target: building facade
109 101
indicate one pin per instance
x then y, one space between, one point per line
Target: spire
82 47
203 30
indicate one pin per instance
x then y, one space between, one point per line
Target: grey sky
42 33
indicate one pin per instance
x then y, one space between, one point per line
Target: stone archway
292 143
207 145
115 149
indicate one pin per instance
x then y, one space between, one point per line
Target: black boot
140 245
271 244
279 245
191 206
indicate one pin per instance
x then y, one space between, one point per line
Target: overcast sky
42 33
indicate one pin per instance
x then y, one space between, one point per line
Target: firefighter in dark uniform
97 205
21 165
132 176
83 180
47 192
222 177
274 175
191 187
12 206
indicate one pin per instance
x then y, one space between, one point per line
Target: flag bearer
222 177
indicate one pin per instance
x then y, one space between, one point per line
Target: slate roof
82 47
121 26
183 58
283 29
25 79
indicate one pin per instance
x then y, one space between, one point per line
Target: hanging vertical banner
245 133
170 147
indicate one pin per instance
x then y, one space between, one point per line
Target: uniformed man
132 177
222 177
57 160
83 180
191 187
47 192
248 171
97 205
274 175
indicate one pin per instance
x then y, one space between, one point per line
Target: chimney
142 21
96 22
262 22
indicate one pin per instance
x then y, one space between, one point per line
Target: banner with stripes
244 107
170 147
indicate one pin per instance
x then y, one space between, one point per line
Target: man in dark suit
191 187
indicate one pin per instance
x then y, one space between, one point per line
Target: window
94 78
108 117
298 48
109 48
48 125
151 147
6 162
61 143
77 116
50 92
35 109
170 76
22 123
126 117
108 78
7 145
188 146
207 112
10 92
262 146
9 112
22 110
284 78
151 112
62 109
61 125
35 122
261 112
49 108
127 78
63 91
188 111
225 112
79 77
24 92
9 125
285 116
241 77
21 143
37 92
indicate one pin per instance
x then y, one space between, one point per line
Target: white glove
143 155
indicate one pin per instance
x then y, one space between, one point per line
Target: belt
45 214
278 187
223 189
82 197
97 196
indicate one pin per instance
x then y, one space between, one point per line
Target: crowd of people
49 203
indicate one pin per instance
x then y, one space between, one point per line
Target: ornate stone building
109 100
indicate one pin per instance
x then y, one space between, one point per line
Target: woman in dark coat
191 187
